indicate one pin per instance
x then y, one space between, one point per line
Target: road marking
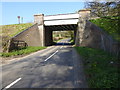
13 83
51 56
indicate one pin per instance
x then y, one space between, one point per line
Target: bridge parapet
61 16
61 19
84 12
38 18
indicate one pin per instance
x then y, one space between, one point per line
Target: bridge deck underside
61 27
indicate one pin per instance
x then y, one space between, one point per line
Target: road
57 66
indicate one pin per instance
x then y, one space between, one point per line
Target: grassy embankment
101 69
111 26
23 51
9 31
13 29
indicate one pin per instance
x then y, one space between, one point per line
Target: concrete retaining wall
30 36
94 37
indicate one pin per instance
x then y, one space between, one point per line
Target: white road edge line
13 83
51 56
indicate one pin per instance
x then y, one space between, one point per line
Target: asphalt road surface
57 66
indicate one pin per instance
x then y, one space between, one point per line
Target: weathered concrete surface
38 18
31 36
41 30
89 35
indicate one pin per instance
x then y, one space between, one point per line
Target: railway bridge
60 22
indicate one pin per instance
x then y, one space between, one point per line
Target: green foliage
72 41
22 51
58 35
110 26
101 68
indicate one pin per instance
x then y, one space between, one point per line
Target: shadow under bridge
49 32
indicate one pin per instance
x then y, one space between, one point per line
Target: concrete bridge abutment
45 35
39 19
83 16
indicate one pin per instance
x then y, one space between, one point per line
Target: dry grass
11 30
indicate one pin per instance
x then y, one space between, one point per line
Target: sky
10 10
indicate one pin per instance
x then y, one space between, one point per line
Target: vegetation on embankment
59 35
111 26
9 31
101 68
23 51
13 29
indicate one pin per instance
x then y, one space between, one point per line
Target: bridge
61 19
54 68
40 34
85 32
60 22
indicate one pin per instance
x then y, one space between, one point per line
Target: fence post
8 46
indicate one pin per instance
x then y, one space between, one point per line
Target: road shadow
57 44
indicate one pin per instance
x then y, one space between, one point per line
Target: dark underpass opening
60 34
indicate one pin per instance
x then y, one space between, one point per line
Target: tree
104 9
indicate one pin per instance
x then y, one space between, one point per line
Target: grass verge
101 69
24 51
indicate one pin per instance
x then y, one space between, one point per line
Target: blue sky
10 10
